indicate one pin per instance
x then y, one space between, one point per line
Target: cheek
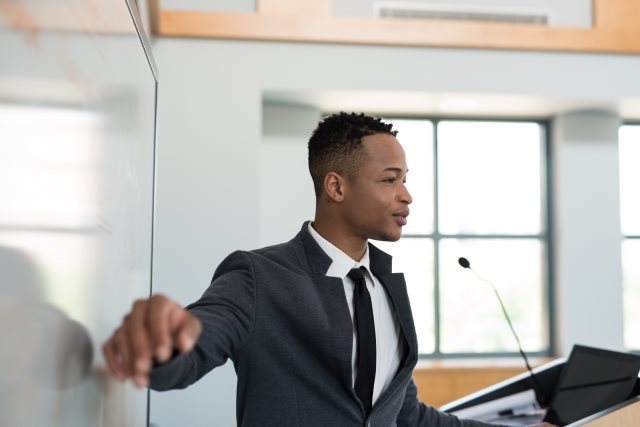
373 202
376 206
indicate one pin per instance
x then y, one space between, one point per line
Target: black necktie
366 338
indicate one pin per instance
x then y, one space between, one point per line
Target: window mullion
436 241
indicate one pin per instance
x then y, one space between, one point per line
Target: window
629 138
480 191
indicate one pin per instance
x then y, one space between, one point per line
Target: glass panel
490 177
631 275
416 137
77 138
471 318
629 179
414 258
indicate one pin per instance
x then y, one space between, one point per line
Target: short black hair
336 144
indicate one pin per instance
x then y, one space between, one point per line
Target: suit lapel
396 288
333 301
331 293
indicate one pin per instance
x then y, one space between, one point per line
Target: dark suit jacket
287 328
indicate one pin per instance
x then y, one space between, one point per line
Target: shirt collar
341 262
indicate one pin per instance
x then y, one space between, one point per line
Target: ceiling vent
414 10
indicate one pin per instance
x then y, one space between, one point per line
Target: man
319 329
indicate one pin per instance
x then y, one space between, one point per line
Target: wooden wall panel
437 386
616 14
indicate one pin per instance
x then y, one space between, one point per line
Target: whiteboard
77 146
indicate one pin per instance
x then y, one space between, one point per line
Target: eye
390 180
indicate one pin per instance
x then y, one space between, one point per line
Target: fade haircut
336 145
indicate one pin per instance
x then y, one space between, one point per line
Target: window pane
631 274
629 179
490 177
414 258
471 317
416 137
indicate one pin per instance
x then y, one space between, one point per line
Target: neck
341 237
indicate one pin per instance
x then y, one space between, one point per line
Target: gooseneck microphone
542 399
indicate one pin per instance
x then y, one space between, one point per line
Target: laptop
592 380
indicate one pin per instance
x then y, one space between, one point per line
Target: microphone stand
542 400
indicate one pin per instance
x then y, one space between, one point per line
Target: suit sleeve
227 312
416 414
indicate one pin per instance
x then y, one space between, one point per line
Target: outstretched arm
172 346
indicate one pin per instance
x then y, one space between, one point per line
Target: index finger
138 339
159 327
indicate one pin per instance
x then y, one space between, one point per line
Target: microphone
542 399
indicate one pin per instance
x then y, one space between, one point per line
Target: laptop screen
592 380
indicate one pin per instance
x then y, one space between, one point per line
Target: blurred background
120 177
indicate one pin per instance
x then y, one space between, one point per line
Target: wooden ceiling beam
616 29
401 32
294 7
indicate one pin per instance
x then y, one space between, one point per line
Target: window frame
545 236
623 236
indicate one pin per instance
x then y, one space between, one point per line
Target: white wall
206 202
223 186
286 189
587 237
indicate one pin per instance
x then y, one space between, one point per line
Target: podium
593 387
626 414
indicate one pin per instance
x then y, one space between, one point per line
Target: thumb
185 329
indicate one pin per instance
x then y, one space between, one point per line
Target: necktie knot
357 275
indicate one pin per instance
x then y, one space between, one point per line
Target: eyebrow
394 169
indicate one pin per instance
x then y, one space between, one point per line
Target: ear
334 186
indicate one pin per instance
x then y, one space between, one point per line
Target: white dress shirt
388 348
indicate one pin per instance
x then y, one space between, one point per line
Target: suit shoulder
286 254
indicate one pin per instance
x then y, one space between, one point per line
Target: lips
401 217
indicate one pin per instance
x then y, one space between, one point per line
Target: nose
405 196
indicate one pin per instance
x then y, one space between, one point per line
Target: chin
390 237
